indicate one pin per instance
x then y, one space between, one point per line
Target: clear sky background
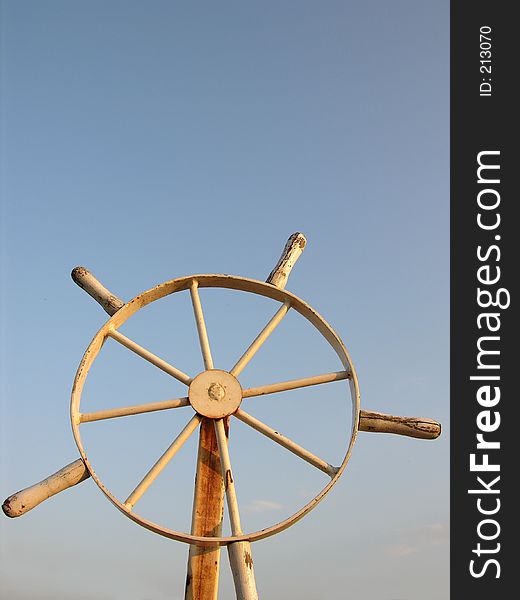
151 140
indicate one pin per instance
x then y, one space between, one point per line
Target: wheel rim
287 300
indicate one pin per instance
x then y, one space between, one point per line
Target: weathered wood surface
208 511
25 500
257 343
240 557
136 409
84 278
292 251
417 427
241 562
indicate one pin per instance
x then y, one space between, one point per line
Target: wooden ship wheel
213 399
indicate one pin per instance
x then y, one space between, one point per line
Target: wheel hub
215 394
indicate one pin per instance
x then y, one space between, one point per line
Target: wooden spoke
260 339
286 442
227 475
201 325
143 353
153 473
136 409
295 383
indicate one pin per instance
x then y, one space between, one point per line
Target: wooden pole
292 251
241 563
208 509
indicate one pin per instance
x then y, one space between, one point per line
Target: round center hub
215 394
216 391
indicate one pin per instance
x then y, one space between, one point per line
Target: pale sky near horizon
148 141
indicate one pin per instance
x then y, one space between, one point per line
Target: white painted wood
136 409
158 467
293 384
417 427
260 339
147 355
201 325
241 562
215 394
242 285
84 278
227 475
286 442
292 251
26 499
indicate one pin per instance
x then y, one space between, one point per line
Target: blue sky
149 141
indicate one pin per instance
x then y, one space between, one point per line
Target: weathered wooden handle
292 251
25 500
84 278
417 427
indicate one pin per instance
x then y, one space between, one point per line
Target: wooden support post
208 510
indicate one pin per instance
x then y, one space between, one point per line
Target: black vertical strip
484 124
